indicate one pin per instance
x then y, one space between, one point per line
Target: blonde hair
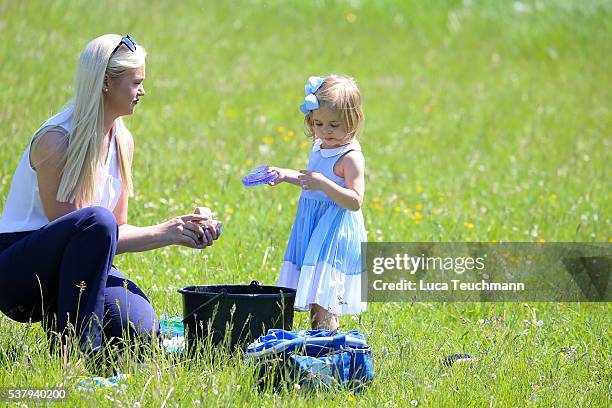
340 92
78 181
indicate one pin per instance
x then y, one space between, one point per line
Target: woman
65 217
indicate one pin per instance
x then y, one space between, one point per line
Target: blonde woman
65 217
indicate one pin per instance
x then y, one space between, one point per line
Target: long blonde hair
82 157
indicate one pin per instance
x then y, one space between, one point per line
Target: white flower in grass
521 7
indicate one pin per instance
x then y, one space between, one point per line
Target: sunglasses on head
128 42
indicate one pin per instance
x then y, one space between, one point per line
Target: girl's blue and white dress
323 256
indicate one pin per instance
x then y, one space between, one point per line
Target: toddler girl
323 256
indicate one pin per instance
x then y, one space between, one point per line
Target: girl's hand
281 173
311 180
186 230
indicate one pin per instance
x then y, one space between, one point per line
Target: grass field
486 120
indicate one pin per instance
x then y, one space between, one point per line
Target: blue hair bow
310 101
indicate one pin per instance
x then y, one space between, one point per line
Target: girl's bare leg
322 319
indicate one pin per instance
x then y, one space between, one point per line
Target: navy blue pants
63 275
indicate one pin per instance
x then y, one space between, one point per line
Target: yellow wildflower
376 206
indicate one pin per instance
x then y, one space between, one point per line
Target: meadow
485 120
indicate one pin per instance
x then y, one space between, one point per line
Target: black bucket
247 310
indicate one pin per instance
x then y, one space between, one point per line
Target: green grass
484 123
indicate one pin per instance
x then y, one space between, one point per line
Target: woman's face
124 91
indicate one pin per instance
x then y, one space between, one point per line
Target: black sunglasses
128 42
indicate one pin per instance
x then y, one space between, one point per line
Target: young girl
323 256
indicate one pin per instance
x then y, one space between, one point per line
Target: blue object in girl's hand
259 176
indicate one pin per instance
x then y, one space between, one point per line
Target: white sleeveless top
23 210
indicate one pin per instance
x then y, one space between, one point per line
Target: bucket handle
197 309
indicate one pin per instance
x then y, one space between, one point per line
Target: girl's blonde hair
78 182
340 92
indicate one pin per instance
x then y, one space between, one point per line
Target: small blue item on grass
173 333
259 176
312 358
94 383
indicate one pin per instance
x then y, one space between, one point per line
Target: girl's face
124 91
327 126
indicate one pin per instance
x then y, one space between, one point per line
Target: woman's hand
311 180
197 230
210 225
187 230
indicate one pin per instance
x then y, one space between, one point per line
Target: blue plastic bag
312 358
173 333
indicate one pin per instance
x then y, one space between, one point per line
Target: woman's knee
100 220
